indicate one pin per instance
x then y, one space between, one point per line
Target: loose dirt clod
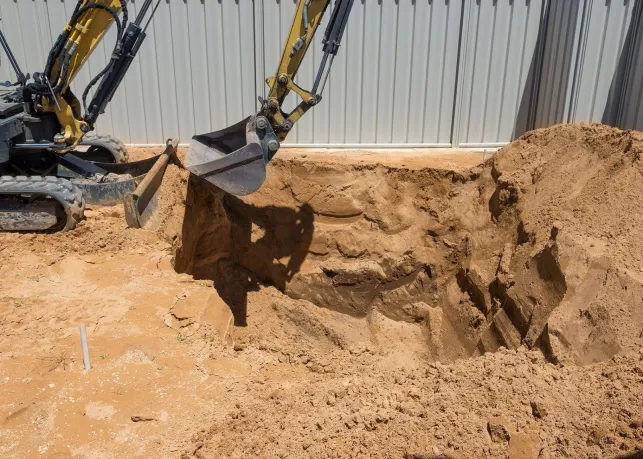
538 410
359 305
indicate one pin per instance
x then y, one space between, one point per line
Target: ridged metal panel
410 72
17 19
497 61
393 81
603 57
630 114
560 32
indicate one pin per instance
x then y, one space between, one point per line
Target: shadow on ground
238 245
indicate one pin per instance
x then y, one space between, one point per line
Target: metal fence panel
602 60
630 112
561 28
393 81
409 73
497 59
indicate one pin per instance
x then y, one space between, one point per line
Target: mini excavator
45 181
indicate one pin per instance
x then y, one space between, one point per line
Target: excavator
45 181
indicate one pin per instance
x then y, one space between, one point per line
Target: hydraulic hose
43 89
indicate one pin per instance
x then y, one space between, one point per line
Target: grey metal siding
468 73
602 57
499 41
560 31
630 109
194 73
393 81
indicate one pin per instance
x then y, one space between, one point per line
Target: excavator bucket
234 159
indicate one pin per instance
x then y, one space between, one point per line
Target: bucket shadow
268 244
239 245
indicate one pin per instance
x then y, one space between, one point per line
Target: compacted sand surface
359 305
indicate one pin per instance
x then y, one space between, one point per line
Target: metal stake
83 342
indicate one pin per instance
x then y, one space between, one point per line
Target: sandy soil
357 306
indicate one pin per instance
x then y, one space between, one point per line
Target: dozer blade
141 205
234 159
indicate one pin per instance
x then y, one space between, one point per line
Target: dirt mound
502 405
540 246
577 267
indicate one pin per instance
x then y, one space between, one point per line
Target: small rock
538 410
497 431
411 409
505 260
142 418
476 172
597 436
622 429
239 347
315 367
449 244
416 311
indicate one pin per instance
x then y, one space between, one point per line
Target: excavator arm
50 91
234 159
81 35
307 19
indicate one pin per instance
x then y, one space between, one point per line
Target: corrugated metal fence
468 73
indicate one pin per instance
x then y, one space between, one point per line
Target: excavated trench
478 256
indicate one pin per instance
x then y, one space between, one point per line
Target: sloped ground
363 306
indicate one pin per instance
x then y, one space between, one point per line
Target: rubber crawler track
64 192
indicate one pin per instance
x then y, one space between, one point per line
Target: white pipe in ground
83 343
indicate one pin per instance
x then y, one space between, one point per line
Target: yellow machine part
86 34
282 83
